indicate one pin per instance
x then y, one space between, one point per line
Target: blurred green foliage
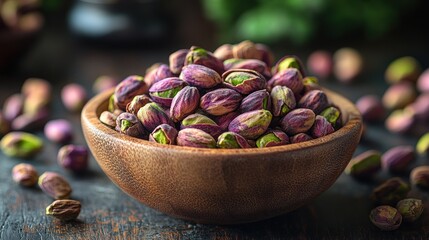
301 20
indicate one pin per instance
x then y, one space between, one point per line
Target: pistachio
399 95
156 73
151 115
403 69
126 90
289 61
232 140
108 119
391 191
246 50
163 91
400 121
420 108
410 209
25 174
299 120
30 121
320 63
386 218
201 122
224 52
59 131
21 145
54 185
112 104
365 164
193 137
290 78
73 157
37 86
220 101
348 64
200 76
423 82
310 83
13 107
224 120
244 81
321 127
177 60
300 137
184 103
423 144
138 102
283 100
103 83
397 159
419 176
64 209
371 108
74 97
164 134
129 124
333 115
315 100
252 124
200 56
257 100
251 64
272 138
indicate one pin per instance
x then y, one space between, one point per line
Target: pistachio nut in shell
252 124
371 108
423 144
73 157
224 52
282 100
310 83
244 81
64 209
232 140
192 137
74 97
321 127
333 115
138 102
420 108
152 115
25 174
386 218
103 83
251 64
257 100
348 64
224 120
403 69
300 137
289 61
30 121
129 124
320 63
220 101
399 95
13 107
201 56
200 76
299 120
398 159
127 89
163 91
315 100
184 103
108 119
400 121
410 209
54 185
177 60
157 72
203 123
164 134
59 131
37 86
290 78
21 144
364 165
272 138
419 176
246 50
390 191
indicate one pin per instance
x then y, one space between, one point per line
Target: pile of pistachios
232 98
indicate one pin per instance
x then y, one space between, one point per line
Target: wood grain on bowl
222 186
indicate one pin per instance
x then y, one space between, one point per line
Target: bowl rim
90 118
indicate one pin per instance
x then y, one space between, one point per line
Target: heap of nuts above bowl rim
232 98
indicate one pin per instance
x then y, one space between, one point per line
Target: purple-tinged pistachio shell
246 50
232 140
128 89
257 100
391 191
220 101
266 55
177 60
272 138
200 76
399 95
397 159
74 97
25 174
410 209
290 78
54 185
300 137
423 82
321 127
310 83
224 120
420 108
244 81
371 108
184 103
127 123
64 209
400 121
156 73
251 64
333 115
200 56
103 83
138 102
229 63
192 137
320 63
108 119
315 100
348 64
13 107
201 122
164 134
364 165
223 52
21 144
59 131
29 122
73 157
386 218
283 100
299 120
4 125
419 177
252 124
163 92
289 61
404 69
152 115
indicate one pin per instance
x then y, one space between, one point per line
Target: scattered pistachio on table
386 218
21 144
398 159
365 164
74 97
404 69
59 131
73 157
25 174
64 209
391 191
410 209
419 176
103 83
371 108
423 145
54 185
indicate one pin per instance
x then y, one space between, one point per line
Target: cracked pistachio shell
224 120
126 90
201 122
177 60
192 137
423 144
244 81
157 72
138 102
404 69
108 119
152 115
223 52
112 104
184 103
163 92
164 134
257 100
290 78
289 61
25 174
251 64
54 185
419 176
252 124
391 191
410 209
272 138
232 140
200 76
200 56
21 144
365 164
315 100
371 108
386 218
220 101
300 137
310 83
299 120
333 115
283 100
64 209
398 159
129 124
321 127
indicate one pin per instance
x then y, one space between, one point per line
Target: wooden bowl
220 186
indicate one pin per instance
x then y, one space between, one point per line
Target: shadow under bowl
222 186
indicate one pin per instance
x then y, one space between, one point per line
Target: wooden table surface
107 213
